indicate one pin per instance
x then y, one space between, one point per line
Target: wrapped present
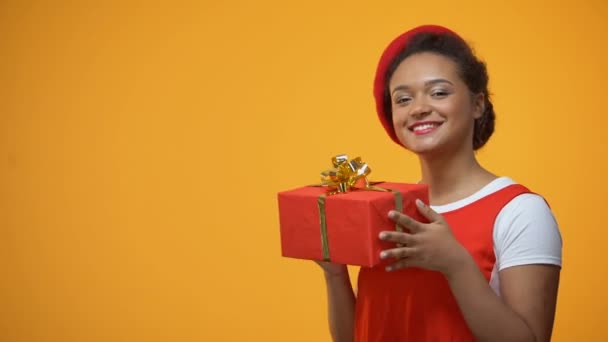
340 219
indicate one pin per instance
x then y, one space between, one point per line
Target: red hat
389 54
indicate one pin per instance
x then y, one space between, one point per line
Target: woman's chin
424 151
423 147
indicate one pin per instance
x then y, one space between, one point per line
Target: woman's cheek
400 131
398 123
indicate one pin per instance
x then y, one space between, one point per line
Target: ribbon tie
347 175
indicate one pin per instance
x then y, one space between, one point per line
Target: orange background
142 146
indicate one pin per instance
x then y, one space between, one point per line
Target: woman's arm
340 302
526 310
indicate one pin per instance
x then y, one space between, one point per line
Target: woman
486 265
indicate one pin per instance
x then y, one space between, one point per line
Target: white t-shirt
525 231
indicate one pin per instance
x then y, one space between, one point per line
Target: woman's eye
439 93
402 100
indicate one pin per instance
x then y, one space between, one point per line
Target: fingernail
382 235
389 268
383 255
419 203
392 214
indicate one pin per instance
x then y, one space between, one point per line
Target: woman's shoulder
526 208
502 188
524 201
526 231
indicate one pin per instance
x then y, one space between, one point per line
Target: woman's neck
453 177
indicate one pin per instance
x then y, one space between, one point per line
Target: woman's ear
479 105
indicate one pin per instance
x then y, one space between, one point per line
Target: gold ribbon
347 175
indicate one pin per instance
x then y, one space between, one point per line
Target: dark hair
471 69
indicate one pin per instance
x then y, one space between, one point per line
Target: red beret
389 54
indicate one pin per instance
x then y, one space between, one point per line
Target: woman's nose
420 109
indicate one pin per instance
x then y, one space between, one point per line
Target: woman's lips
425 127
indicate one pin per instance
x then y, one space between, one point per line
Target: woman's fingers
402 263
397 237
398 253
406 221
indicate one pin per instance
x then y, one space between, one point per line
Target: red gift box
343 227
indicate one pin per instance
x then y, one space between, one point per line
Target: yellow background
142 146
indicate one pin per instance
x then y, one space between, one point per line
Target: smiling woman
449 70
486 265
439 112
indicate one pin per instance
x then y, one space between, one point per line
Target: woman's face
433 109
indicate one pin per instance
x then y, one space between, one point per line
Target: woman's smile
424 127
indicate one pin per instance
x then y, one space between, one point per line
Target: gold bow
347 175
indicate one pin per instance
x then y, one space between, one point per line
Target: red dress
417 305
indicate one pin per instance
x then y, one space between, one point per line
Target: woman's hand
332 269
430 246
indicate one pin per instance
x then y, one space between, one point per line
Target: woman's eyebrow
426 84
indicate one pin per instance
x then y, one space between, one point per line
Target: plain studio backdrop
142 145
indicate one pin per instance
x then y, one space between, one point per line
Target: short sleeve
526 232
